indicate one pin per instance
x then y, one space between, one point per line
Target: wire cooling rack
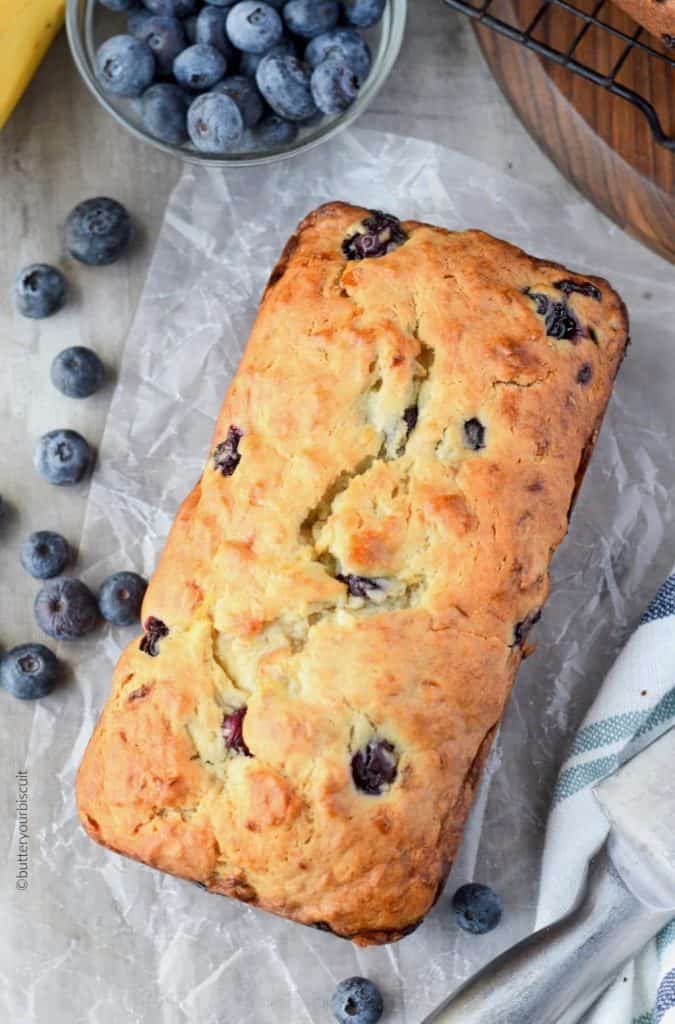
579 25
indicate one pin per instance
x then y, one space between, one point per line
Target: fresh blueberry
225 3
254 27
378 234
164 112
357 1001
174 8
374 767
135 18
124 65
335 86
97 231
154 630
310 18
120 598
117 5
29 671
215 123
285 84
62 457
358 586
190 28
77 372
477 908
474 434
345 45
363 13
166 38
567 286
233 732
227 457
65 609
44 554
39 290
210 30
272 132
248 65
245 94
199 67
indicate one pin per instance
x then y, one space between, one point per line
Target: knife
555 975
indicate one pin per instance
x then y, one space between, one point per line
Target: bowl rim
397 12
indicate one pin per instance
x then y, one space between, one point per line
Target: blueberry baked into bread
345 596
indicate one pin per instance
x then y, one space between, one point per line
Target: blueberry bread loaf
657 16
343 601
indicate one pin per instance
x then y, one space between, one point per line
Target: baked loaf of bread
657 16
343 601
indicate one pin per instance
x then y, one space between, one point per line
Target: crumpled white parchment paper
97 939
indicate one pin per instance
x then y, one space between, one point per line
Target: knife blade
555 975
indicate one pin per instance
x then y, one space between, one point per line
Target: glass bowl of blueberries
228 82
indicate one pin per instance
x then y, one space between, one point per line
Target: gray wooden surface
60 147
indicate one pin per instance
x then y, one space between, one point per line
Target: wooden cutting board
602 143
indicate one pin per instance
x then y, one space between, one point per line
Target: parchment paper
103 940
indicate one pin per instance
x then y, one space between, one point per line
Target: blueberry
190 28
154 631
245 94
357 1001
210 31
310 18
120 598
474 435
215 123
44 554
135 18
39 290
226 457
477 908
378 234
117 5
522 628
559 320
199 67
97 231
233 732
335 86
62 457
374 767
358 586
174 8
254 27
584 373
567 286
77 372
166 38
248 65
29 671
225 3
345 45
285 84
363 13
164 112
273 132
124 65
65 609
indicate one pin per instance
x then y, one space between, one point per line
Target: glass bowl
88 24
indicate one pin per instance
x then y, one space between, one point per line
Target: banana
27 28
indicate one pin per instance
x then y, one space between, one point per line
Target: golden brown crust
657 16
336 479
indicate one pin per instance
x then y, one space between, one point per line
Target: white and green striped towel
638 696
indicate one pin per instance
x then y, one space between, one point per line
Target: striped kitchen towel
636 699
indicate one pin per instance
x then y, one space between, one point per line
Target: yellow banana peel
27 28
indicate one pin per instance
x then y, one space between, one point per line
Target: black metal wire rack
568 56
